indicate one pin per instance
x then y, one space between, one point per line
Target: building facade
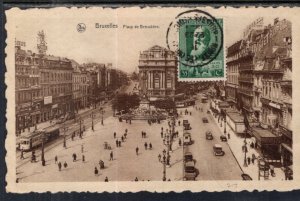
232 63
27 89
157 72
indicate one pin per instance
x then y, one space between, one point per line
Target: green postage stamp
200 47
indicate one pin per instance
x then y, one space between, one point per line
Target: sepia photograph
149 95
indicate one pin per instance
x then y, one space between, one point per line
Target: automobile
189 171
187 139
209 135
218 150
188 156
204 120
186 125
223 138
246 177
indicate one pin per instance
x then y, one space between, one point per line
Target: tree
125 102
166 104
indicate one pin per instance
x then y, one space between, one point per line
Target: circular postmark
196 37
81 27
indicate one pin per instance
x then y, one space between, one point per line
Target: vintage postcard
155 98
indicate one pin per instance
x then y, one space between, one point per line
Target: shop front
235 121
268 143
286 146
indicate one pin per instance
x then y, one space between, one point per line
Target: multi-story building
27 89
157 72
233 63
56 83
80 89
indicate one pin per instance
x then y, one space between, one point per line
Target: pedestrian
106 179
117 143
73 157
82 148
145 134
137 150
55 159
179 142
252 145
178 122
83 158
162 129
115 134
59 166
150 146
22 154
142 134
146 145
162 134
122 138
136 179
190 113
248 159
126 130
72 136
65 164
159 157
96 171
111 156
125 135
228 136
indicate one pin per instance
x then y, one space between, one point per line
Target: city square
98 122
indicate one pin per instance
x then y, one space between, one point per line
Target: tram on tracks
35 138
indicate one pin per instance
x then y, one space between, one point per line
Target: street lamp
65 141
164 165
80 132
43 152
102 112
93 121
245 150
225 125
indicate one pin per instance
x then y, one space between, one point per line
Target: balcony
246 79
247 92
246 67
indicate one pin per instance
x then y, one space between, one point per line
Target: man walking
59 166
55 159
159 157
137 151
115 135
146 145
111 156
117 143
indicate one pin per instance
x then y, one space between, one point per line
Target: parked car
188 156
223 138
187 139
209 135
204 120
218 150
189 171
186 125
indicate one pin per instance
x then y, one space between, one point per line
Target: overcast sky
119 46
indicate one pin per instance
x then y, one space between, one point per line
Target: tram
35 139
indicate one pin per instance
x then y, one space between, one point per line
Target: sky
120 46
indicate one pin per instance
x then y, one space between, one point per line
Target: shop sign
47 100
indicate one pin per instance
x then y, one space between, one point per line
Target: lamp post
225 125
80 132
102 112
43 152
65 141
93 121
245 150
164 165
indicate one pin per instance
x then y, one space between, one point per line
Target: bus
35 139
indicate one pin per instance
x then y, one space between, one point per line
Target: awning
287 147
264 136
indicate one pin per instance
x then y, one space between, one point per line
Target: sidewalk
235 143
